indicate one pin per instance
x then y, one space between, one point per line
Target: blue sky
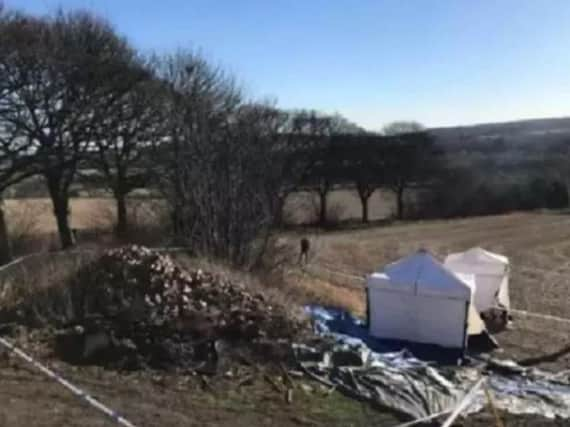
440 62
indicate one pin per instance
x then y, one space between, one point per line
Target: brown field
537 243
343 205
36 215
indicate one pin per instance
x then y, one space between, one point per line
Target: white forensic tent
417 299
491 272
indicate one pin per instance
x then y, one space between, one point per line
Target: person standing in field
304 253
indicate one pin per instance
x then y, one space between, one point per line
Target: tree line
79 103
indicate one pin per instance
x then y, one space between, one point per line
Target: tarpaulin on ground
395 375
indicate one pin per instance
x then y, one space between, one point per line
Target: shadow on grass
546 358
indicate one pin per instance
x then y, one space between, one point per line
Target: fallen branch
273 383
286 377
289 396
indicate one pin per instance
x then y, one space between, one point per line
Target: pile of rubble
134 306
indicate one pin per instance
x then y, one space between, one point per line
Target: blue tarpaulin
351 330
420 380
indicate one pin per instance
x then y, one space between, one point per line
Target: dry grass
85 213
538 245
33 228
288 286
302 207
41 283
99 212
315 290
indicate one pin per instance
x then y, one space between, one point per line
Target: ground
35 214
30 399
537 243
243 394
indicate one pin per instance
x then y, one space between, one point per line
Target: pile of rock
136 301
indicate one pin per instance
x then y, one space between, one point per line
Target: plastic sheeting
396 375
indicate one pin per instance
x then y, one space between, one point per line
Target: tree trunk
5 246
122 221
176 218
364 200
60 203
278 214
400 203
61 210
323 208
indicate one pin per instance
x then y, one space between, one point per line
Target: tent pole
367 307
465 330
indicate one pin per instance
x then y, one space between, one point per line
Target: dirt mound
134 306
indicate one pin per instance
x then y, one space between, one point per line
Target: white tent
417 299
491 272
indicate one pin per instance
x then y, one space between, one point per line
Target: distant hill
521 132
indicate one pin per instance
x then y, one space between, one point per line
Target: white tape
423 420
75 390
341 274
464 403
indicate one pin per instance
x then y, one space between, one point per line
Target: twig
207 384
245 381
330 391
273 383
289 396
287 378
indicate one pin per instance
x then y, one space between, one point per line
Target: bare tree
410 162
62 74
15 162
231 162
126 141
200 96
326 166
364 159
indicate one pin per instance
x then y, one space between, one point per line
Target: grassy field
538 245
35 214
343 205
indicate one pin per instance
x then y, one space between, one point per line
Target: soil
538 245
158 399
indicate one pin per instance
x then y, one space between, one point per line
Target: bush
461 195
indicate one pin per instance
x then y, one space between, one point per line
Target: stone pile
136 301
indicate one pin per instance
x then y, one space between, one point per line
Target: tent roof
420 272
477 255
